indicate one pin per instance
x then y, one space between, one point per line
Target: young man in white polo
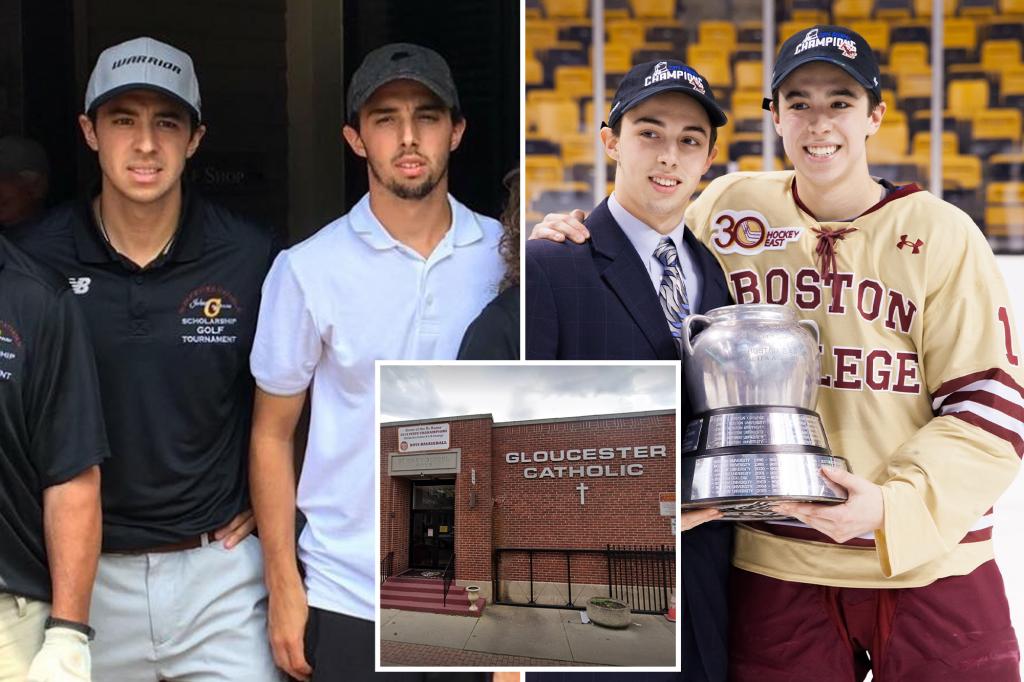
400 276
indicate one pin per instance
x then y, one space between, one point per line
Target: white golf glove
64 657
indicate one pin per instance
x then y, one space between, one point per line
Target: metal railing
387 566
641 576
448 576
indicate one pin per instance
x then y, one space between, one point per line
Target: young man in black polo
51 443
170 284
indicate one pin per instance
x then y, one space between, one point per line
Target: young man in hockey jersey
922 394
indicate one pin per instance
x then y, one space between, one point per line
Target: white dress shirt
645 240
332 305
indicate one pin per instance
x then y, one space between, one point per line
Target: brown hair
508 247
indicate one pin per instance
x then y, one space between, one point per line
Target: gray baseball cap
399 61
148 64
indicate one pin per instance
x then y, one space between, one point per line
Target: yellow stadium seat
893 13
889 144
1005 193
588 114
542 169
749 76
960 32
616 13
577 149
965 97
905 55
788 28
1004 221
960 171
1012 81
534 72
810 16
923 8
617 58
722 34
980 11
873 31
574 81
654 9
552 119
627 33
566 8
1011 6
755 163
999 55
997 124
541 34
542 95
914 82
712 63
922 143
848 10
746 105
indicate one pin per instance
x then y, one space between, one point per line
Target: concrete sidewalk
554 635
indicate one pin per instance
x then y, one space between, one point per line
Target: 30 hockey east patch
748 233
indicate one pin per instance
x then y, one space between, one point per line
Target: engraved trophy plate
752 376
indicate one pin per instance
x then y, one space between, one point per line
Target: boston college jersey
921 377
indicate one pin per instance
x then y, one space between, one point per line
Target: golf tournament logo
209 315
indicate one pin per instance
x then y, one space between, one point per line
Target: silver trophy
752 376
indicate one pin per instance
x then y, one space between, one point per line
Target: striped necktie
672 291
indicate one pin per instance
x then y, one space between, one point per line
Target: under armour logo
80 285
916 245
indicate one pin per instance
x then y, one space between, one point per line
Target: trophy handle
811 326
685 332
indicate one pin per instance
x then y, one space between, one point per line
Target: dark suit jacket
595 301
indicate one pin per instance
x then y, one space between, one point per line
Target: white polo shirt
332 305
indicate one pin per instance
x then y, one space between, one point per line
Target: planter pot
472 593
611 613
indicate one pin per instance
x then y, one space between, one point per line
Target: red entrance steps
425 594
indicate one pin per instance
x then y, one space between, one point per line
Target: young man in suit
623 294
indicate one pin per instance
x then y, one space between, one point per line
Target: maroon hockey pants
955 629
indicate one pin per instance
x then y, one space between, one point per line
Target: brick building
469 486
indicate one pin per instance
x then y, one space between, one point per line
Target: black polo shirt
172 347
51 422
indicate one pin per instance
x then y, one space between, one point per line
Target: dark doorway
432 526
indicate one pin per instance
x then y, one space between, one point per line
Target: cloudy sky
520 391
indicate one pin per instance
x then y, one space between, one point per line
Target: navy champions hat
835 45
653 78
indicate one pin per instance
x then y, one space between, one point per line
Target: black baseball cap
653 78
836 45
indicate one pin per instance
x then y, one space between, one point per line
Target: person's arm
272 486
72 526
541 312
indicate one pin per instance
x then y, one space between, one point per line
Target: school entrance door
432 526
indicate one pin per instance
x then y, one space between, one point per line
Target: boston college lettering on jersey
921 386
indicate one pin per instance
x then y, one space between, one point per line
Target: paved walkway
522 636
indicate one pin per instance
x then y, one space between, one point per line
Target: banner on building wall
424 437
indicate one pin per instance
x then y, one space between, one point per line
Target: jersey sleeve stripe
995 422
992 380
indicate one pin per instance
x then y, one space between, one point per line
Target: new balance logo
80 285
915 245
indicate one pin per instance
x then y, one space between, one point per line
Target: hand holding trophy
752 377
